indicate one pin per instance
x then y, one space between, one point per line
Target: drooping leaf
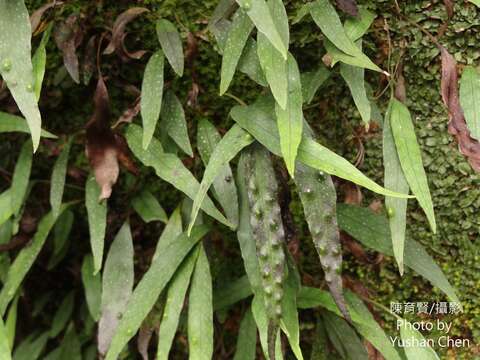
312 81
92 284
224 187
262 17
171 43
67 35
25 259
247 338
5 351
97 221
61 238
62 315
173 117
148 207
335 55
117 285
410 158
290 119
258 121
21 177
15 63
395 180
149 288
152 93
416 352
13 123
57 182
31 347
470 99
174 304
39 61
373 231
200 310
238 35
170 168
230 145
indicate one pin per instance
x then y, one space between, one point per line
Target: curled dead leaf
68 35
37 15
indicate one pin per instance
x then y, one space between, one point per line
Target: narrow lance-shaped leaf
5 352
261 16
31 347
470 99
97 221
61 238
92 285
11 322
290 119
264 330
149 288
117 285
411 336
13 123
171 169
20 178
411 158
356 27
312 81
148 207
39 61
16 65
172 230
395 180
57 182
200 310
173 117
238 35
230 145
247 338
171 42
152 92
224 187
62 315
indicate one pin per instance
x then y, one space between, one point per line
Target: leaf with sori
171 42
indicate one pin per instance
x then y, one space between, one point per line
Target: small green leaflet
15 62
171 169
356 27
92 284
97 220
57 182
230 145
247 338
20 178
152 92
62 315
31 347
411 158
476 2
150 286
25 259
13 123
261 16
470 99
171 43
177 290
290 119
173 117
412 336
117 285
39 61
224 187
237 37
311 82
5 351
11 322
200 310
395 180
147 206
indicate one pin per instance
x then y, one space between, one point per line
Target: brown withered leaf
129 114
143 340
348 7
449 7
101 145
89 57
37 15
117 43
457 125
124 155
68 35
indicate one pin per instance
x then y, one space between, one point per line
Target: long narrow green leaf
470 99
320 349
234 140
361 60
237 37
31 347
259 123
5 206
20 178
13 123
92 284
71 347
261 16
57 182
176 125
373 231
16 65
171 169
62 315
356 26
200 310
224 187
149 288
395 180
5 351
25 259
97 221
311 82
148 207
152 92
117 285
290 119
412 337
39 61
411 158
247 338
231 293
174 304
171 42
172 230
260 316
61 238
11 322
